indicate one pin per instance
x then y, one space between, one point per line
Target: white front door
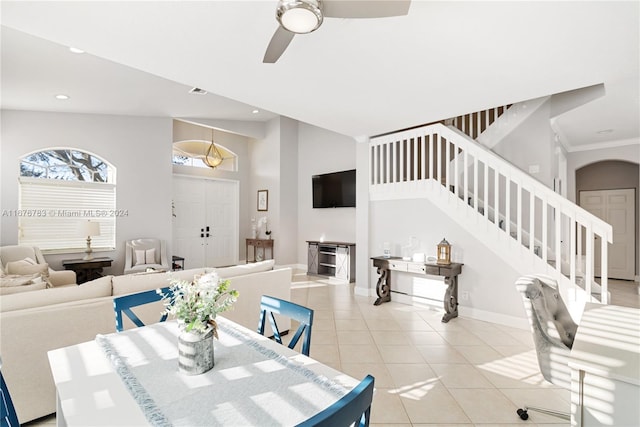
205 226
617 207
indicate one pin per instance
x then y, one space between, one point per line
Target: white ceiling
357 77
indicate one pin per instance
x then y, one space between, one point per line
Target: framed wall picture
263 200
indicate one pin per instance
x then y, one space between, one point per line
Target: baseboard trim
364 292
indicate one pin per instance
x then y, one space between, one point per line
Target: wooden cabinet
333 259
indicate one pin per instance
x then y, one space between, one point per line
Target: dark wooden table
87 270
449 272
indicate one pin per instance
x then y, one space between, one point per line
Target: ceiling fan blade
364 8
278 44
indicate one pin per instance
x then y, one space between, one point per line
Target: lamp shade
88 228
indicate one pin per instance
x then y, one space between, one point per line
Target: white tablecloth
250 384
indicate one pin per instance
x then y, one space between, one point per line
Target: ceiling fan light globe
299 16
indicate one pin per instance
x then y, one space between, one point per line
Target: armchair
18 252
141 254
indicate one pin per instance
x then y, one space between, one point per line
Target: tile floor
462 373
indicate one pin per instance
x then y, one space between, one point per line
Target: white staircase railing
466 179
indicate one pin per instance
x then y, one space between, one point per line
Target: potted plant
195 304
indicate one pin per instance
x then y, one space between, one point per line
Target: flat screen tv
334 190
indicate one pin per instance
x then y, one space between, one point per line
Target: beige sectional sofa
32 323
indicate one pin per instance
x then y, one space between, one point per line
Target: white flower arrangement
196 303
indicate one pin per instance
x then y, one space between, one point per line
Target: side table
263 245
87 270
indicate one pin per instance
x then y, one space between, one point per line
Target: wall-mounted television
334 190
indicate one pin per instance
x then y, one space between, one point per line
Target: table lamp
88 228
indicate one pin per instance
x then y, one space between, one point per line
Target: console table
263 244
450 273
87 270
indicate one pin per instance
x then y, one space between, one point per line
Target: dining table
131 378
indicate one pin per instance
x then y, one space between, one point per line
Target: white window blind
50 211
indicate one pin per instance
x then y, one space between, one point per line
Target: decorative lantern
444 252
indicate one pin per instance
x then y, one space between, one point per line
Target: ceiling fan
305 16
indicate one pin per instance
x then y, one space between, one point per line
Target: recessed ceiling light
605 131
62 96
198 91
76 50
256 111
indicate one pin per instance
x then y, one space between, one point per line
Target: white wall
487 279
139 148
264 163
532 143
322 151
288 220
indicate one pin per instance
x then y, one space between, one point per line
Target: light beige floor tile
390 338
496 337
355 337
407 376
324 337
486 405
324 353
461 337
359 354
387 408
437 405
400 354
460 376
324 325
378 370
382 324
441 354
347 314
477 354
425 338
350 325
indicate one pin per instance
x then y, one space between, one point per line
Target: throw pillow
147 256
150 256
24 266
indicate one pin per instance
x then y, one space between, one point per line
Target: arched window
59 188
192 153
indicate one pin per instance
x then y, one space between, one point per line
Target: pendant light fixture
213 158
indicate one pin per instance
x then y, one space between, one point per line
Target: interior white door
617 207
205 226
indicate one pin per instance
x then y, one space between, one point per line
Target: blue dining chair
9 415
271 305
125 303
352 409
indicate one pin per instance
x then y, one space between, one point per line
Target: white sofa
32 323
